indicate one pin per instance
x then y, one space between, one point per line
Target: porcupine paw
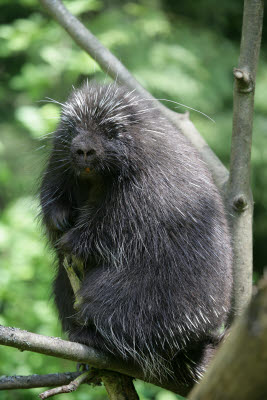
60 219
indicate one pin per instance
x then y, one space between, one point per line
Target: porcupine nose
84 153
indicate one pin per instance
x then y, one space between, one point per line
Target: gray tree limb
239 198
36 381
114 68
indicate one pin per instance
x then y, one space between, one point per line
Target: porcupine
129 196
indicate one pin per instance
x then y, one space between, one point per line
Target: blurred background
180 50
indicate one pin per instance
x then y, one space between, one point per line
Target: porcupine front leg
56 207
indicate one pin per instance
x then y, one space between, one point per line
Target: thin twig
71 387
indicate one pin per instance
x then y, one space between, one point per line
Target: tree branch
51 346
91 45
114 68
56 347
239 369
36 381
239 197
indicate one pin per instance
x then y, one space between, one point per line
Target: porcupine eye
112 133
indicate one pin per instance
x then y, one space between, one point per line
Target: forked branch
70 387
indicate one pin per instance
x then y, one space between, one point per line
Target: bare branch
35 381
113 67
239 197
51 346
239 369
91 45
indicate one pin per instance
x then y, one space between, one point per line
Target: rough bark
239 370
238 196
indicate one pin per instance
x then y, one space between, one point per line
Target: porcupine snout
85 151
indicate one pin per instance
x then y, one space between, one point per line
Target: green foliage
176 57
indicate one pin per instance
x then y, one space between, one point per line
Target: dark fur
149 224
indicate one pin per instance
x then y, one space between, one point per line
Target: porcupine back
128 194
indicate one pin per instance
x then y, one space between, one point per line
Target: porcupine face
97 125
